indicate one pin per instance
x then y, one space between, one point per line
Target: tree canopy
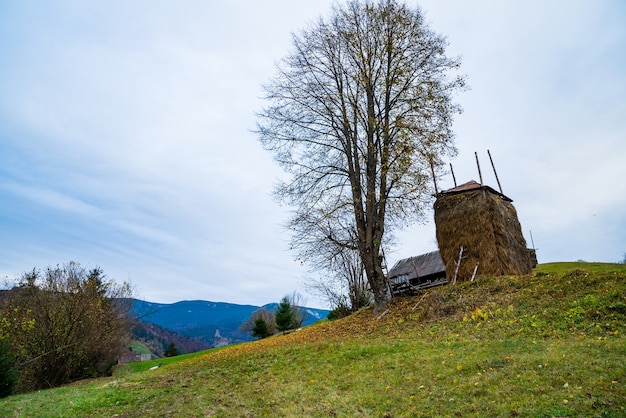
358 113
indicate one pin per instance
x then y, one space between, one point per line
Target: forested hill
202 319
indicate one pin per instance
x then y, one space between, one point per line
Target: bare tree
329 247
349 268
338 273
359 111
296 301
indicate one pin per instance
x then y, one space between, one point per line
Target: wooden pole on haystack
452 171
458 264
480 175
474 273
494 171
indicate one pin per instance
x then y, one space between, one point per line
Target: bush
171 351
8 368
66 324
340 311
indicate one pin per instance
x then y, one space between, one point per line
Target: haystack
483 222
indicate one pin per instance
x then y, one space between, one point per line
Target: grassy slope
548 345
140 348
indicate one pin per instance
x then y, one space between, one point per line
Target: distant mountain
215 323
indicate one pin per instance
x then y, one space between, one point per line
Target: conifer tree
171 351
260 329
284 315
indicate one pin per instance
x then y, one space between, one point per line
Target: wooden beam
494 171
453 177
480 175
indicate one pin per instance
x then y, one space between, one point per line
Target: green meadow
551 344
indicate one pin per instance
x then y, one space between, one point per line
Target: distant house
416 273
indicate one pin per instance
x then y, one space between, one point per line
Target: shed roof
418 266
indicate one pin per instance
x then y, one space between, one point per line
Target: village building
417 273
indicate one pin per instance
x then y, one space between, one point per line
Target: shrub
8 369
66 324
341 310
171 351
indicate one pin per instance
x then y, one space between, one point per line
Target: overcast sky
126 135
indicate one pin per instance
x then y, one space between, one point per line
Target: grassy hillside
550 344
139 348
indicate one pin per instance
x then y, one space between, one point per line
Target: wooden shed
416 273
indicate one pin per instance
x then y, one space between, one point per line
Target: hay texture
485 223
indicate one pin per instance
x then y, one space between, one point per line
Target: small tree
268 318
171 350
343 283
261 329
299 315
284 315
341 309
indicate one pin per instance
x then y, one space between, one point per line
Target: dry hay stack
485 223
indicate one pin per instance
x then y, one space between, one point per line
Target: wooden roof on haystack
473 185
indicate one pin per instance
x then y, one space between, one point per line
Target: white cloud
126 135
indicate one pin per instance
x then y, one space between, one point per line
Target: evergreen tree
260 329
171 351
284 315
